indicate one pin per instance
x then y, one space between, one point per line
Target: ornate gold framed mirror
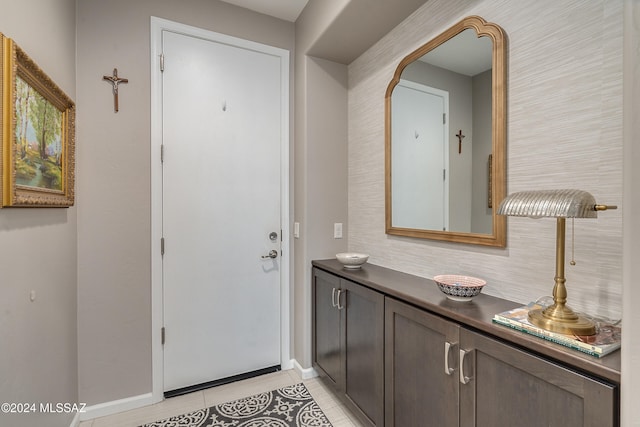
445 138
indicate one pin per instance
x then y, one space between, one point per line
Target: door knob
273 254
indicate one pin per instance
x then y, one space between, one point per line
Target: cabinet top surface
477 314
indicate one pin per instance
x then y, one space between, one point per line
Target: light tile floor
330 405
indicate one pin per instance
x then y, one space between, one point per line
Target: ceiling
357 26
289 10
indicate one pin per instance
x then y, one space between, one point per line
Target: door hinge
162 246
162 335
444 174
162 62
444 118
162 153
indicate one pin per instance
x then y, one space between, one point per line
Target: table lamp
559 204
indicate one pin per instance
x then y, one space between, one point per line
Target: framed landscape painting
38 134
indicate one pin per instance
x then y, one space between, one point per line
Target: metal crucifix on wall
115 81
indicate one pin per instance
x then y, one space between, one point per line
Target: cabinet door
363 347
326 327
510 387
421 378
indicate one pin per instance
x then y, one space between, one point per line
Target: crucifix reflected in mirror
460 137
115 81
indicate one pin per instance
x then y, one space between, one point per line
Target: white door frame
157 26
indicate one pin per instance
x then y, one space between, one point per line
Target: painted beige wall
320 196
631 215
481 219
114 232
324 194
564 130
38 356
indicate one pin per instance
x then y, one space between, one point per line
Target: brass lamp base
561 319
558 317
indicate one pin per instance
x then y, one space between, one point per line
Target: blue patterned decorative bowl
459 288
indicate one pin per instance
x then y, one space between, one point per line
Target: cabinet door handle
463 378
340 307
333 297
447 348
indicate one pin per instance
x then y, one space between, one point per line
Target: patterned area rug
290 406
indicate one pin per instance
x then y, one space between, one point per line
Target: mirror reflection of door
420 156
461 67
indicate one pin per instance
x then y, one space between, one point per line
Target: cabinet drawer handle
333 297
340 307
447 348
463 378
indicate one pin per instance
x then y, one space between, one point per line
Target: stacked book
606 340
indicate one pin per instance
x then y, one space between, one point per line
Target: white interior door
419 157
222 134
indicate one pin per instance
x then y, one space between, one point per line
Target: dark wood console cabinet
400 354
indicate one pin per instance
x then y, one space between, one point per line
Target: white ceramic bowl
352 259
459 288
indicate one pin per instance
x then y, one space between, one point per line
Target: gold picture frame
37 122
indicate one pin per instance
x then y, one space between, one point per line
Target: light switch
337 230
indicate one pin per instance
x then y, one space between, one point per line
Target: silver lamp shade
550 203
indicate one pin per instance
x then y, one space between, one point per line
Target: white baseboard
287 364
116 406
75 422
305 373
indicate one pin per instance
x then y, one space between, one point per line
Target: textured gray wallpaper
564 118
